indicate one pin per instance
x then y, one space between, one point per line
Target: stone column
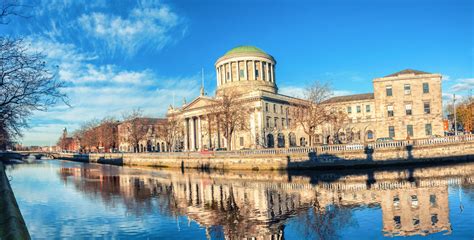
218 132
273 74
199 133
246 70
237 70
186 134
253 69
193 135
230 71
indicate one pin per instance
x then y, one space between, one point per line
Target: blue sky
128 54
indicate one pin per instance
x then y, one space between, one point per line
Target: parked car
385 139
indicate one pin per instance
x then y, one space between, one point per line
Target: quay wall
12 224
294 158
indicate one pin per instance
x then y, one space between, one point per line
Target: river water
61 199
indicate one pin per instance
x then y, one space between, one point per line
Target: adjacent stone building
147 135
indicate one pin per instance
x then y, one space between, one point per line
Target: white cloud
96 91
292 91
463 84
146 26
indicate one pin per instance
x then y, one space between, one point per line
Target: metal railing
306 150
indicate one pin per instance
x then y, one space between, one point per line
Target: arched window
302 142
158 147
270 141
370 135
163 147
292 139
148 146
281 140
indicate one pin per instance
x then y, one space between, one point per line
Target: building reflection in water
258 205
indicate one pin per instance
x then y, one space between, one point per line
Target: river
62 199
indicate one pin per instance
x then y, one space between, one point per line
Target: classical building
406 104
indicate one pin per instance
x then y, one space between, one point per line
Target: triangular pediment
199 102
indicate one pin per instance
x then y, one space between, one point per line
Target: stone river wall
449 149
12 224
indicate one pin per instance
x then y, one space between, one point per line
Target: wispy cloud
145 26
463 84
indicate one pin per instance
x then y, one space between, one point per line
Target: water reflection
259 205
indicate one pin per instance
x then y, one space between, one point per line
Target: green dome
245 49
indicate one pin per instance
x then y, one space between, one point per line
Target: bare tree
26 81
231 114
107 134
313 113
171 131
137 127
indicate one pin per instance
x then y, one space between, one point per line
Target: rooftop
407 71
245 49
349 98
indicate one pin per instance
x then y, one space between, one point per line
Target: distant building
146 130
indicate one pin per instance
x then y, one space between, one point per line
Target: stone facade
414 104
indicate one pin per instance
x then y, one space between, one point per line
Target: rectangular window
289 122
388 89
428 129
256 73
266 107
407 89
408 109
426 87
242 74
367 108
241 141
349 109
391 131
274 108
268 122
358 109
410 130
282 122
276 122
426 107
390 110
281 109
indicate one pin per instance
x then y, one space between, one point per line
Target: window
408 108
256 73
349 109
434 219
428 129
397 221
414 201
433 200
391 131
407 89
367 108
241 141
281 109
274 108
266 107
370 134
388 89
410 130
358 109
426 107
282 122
276 122
390 110
268 122
242 74
289 122
426 87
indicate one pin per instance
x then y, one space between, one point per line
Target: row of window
408 109
428 130
358 109
257 71
275 107
407 89
284 122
